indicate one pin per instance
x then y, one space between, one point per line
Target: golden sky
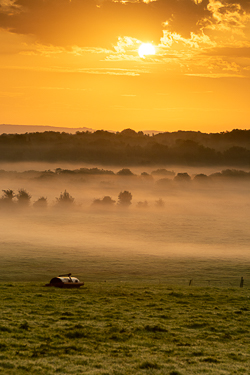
75 63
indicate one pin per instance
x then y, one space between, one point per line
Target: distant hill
22 129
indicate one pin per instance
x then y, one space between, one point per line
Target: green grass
117 328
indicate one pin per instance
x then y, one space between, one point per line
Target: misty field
124 328
136 313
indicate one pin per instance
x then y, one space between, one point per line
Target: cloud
126 49
226 16
126 43
215 75
95 71
186 33
98 23
231 52
79 51
49 50
171 39
9 7
82 22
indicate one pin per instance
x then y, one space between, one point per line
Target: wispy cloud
173 39
79 51
96 71
125 44
49 50
215 75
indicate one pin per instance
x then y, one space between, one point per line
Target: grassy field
115 328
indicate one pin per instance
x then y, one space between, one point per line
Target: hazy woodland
175 216
127 148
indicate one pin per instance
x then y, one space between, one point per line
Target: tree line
22 199
235 174
129 147
167 180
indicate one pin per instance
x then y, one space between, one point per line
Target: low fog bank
148 188
23 166
125 224
188 238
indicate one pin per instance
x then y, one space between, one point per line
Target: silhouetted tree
125 172
8 194
125 198
235 173
231 174
182 177
105 201
201 178
129 132
65 199
7 198
41 203
23 197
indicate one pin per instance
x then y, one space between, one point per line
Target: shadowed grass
124 328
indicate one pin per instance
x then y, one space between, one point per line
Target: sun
146 49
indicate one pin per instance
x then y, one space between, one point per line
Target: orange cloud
9 7
226 16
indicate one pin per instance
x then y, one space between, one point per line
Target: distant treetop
128 132
129 148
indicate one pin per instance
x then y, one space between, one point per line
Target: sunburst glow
146 49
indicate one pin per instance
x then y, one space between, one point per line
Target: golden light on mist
146 49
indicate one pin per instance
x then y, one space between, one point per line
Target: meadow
124 328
